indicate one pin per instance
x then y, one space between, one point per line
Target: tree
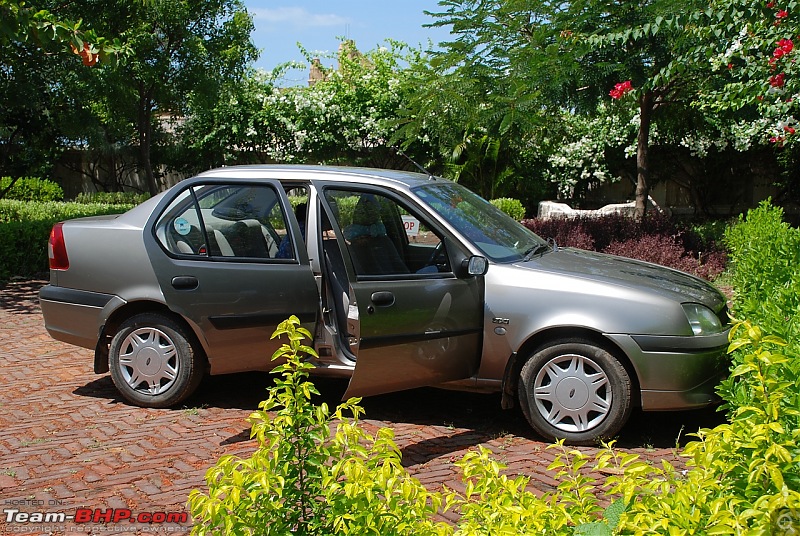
566 57
40 49
477 116
180 51
751 50
346 117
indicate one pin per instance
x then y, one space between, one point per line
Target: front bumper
677 372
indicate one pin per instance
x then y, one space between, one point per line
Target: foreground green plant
765 270
318 472
305 478
741 474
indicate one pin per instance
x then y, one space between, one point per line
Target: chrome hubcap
148 361
572 393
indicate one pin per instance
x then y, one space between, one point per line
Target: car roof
328 173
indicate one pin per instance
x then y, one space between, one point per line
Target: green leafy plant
112 198
25 228
31 189
765 270
318 472
509 205
314 471
493 503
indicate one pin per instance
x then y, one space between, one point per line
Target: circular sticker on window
182 226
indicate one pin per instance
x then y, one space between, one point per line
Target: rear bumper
73 316
677 372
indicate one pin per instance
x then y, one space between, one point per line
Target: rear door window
234 222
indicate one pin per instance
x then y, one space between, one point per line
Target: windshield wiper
533 250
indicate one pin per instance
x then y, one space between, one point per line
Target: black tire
576 391
153 361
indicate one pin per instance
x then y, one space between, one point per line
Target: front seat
372 251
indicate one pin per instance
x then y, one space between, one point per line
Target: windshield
494 233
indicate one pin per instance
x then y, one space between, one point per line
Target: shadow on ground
478 414
21 296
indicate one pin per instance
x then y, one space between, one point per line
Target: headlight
702 319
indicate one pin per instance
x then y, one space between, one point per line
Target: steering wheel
436 252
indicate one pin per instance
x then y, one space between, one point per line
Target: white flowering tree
347 117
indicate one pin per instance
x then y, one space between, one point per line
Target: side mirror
476 265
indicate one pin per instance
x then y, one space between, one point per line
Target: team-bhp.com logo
94 515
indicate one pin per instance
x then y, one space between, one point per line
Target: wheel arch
125 312
542 338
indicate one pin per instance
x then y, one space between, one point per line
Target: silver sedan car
404 280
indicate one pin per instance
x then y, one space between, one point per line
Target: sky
317 25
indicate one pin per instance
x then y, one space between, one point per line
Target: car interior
239 221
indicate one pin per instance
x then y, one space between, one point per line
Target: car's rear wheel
153 362
576 391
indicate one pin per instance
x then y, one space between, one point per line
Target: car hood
628 273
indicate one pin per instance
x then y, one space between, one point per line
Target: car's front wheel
153 362
575 390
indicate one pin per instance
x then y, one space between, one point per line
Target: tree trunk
642 156
145 128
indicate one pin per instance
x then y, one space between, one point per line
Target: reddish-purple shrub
566 233
658 249
658 239
577 238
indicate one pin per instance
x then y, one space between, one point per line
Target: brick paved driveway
67 440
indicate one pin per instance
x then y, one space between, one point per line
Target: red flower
778 53
776 139
620 89
770 5
786 45
789 129
88 58
730 66
777 80
782 14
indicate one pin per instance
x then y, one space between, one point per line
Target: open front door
418 323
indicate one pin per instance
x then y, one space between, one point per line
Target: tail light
57 249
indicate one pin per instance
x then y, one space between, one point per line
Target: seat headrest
366 219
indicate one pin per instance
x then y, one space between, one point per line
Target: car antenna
419 167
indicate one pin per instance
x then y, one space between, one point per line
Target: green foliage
180 55
42 52
306 478
112 198
53 211
740 474
741 42
317 472
765 270
23 248
493 503
21 23
512 207
31 189
345 117
25 229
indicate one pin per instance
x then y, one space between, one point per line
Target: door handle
382 298
185 282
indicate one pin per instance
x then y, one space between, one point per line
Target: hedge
25 230
32 189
